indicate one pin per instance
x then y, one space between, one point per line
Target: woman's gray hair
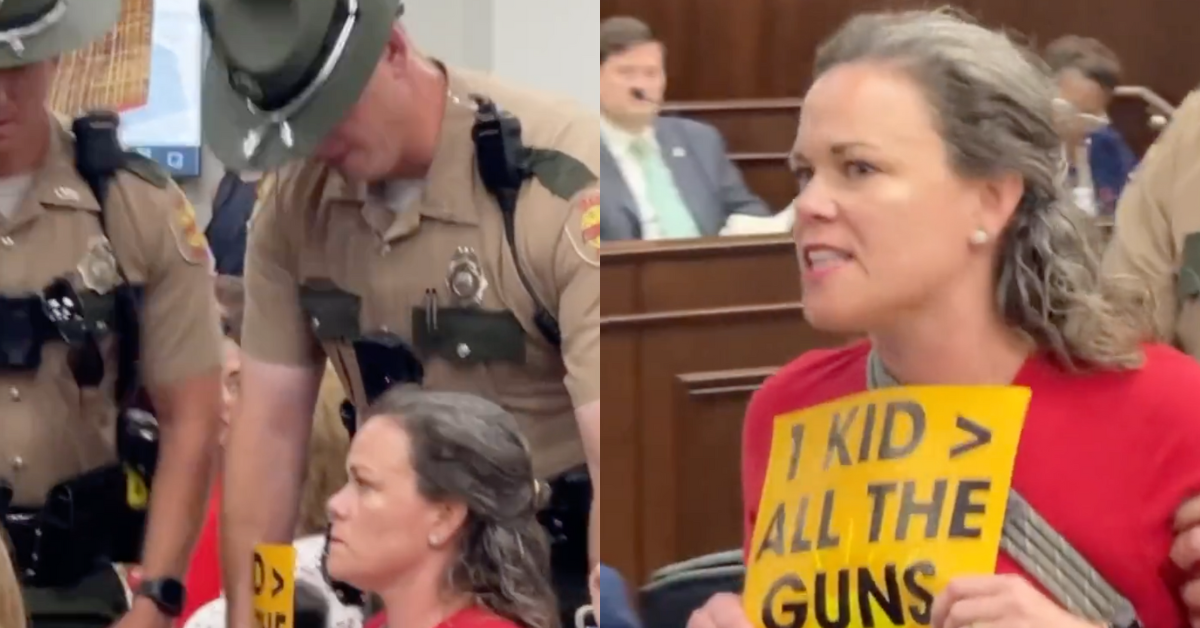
469 450
993 108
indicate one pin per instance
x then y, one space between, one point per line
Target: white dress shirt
620 143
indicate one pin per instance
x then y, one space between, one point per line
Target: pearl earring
434 540
979 237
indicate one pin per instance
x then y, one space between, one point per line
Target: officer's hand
1186 553
723 610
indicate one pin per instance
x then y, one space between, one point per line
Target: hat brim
228 119
84 22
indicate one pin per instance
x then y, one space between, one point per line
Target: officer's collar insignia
465 278
98 268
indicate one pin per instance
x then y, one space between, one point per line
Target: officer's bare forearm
264 470
188 416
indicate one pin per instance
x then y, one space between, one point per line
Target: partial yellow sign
873 502
274 585
137 494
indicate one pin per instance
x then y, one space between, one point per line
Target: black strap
98 157
502 162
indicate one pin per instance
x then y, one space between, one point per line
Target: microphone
640 94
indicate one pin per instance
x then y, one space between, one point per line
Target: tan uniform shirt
310 224
50 429
1159 208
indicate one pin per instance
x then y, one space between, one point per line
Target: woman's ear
449 519
999 199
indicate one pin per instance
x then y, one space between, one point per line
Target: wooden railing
1158 111
759 132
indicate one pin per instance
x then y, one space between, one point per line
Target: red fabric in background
473 617
203 580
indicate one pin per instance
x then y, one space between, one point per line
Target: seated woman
932 219
439 516
1087 73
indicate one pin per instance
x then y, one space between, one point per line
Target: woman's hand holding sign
1186 554
1000 601
723 610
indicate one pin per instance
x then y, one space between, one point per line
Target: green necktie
674 219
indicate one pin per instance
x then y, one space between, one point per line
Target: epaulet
562 174
147 169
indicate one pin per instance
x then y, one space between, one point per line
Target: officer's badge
190 240
98 268
465 278
585 235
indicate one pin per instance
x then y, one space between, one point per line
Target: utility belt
60 313
81 525
369 362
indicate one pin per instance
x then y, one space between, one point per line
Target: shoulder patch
147 170
189 239
583 226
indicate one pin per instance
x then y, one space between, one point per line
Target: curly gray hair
469 450
993 105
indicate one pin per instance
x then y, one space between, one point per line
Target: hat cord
280 117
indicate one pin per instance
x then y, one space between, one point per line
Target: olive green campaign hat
37 30
283 73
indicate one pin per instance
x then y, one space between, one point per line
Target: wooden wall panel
688 329
738 49
709 406
740 56
759 134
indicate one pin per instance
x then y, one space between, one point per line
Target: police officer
1156 239
1156 245
101 266
429 223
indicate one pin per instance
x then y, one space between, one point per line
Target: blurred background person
325 474
664 177
203 581
1087 74
232 206
439 517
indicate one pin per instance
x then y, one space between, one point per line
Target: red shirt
1106 458
203 579
472 617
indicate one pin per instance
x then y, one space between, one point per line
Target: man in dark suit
663 177
232 206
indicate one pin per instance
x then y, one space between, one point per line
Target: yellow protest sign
274 585
873 502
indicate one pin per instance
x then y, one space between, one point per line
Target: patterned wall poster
148 69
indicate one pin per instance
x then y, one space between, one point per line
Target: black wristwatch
166 593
